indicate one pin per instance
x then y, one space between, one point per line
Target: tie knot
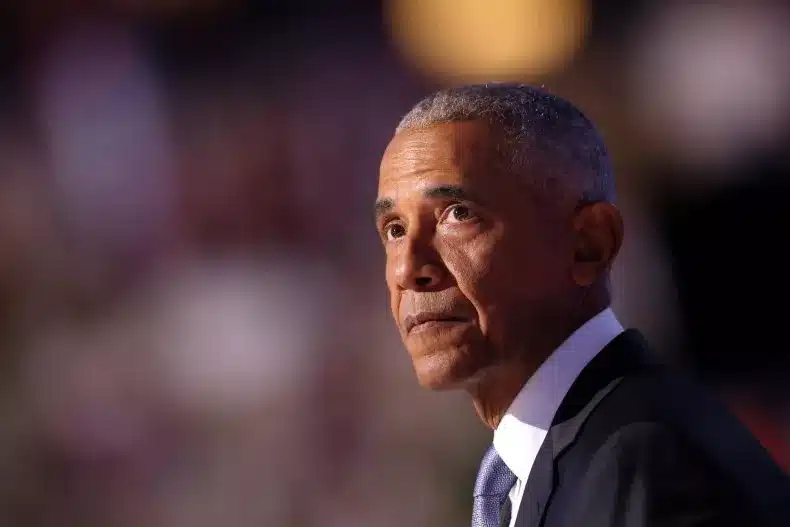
494 477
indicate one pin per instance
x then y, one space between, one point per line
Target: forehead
452 153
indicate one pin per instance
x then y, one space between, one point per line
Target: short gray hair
534 121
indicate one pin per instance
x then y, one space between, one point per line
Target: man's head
495 208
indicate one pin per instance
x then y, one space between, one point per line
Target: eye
393 231
458 213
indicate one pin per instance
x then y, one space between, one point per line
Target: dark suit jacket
635 444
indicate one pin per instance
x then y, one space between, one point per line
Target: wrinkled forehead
464 148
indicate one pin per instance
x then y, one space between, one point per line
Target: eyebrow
384 205
447 191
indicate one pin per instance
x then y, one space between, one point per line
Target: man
496 211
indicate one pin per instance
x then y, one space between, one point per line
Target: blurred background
194 326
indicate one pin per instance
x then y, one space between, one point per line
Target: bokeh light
473 40
711 83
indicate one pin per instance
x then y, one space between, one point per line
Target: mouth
424 321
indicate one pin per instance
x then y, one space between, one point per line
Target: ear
598 236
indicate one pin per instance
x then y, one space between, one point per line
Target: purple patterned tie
494 481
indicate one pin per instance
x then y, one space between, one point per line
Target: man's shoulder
649 409
661 396
665 433
643 473
628 384
662 408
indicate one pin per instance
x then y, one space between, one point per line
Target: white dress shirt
523 429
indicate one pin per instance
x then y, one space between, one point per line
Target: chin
445 369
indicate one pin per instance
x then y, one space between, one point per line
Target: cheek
393 290
500 276
540 288
474 267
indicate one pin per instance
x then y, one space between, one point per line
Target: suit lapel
539 487
626 354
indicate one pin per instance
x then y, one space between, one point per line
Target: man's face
475 266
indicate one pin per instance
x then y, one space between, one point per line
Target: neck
493 394
496 389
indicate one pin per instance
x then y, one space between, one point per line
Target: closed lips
412 321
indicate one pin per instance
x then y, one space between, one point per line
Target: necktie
494 481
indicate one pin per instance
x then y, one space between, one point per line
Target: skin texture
497 273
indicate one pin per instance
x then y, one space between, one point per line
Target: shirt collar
522 430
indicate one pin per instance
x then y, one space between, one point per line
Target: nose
419 267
